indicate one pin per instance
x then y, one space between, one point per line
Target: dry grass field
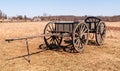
95 58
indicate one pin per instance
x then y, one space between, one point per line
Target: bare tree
0 14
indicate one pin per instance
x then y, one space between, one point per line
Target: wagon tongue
8 40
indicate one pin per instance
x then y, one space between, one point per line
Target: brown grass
94 58
113 28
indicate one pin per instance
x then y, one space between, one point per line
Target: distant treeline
20 18
76 18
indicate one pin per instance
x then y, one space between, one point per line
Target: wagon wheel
80 37
53 41
92 20
100 33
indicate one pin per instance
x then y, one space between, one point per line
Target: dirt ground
95 58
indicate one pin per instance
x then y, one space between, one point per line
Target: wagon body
78 31
65 27
68 27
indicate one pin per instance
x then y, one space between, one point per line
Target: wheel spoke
82 28
50 28
49 38
57 40
84 31
53 27
78 30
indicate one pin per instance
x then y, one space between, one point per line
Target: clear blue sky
60 7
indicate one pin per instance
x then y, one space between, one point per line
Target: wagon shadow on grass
69 48
26 55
